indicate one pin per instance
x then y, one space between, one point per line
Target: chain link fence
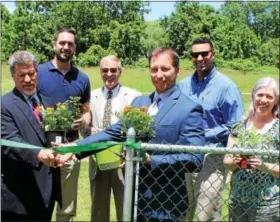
167 191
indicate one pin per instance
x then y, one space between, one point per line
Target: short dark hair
203 40
72 31
169 51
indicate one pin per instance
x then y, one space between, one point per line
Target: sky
162 8
158 8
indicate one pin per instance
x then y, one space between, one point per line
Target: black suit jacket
26 186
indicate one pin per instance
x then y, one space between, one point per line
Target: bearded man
59 79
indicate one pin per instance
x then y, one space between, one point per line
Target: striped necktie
108 110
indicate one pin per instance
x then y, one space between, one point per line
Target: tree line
244 33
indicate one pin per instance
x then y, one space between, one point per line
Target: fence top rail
209 149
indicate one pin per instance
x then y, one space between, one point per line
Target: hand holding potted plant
57 120
250 140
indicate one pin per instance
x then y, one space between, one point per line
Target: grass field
139 79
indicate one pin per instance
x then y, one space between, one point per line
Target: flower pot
243 163
58 136
108 159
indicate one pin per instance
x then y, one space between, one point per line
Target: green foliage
269 53
93 56
154 36
244 65
239 30
252 139
186 64
62 116
142 63
33 25
187 22
125 41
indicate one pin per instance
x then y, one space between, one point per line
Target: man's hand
83 122
61 159
47 157
148 159
79 124
95 130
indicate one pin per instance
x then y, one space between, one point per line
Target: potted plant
139 120
57 120
250 139
130 117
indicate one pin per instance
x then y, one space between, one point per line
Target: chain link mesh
171 191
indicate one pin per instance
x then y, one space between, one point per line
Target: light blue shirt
28 99
163 96
221 101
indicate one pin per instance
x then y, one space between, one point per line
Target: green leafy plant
62 116
253 140
137 118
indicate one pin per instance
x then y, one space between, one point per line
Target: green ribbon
129 143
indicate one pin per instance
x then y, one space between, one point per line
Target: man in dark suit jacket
162 190
28 185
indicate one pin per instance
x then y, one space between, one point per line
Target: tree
188 21
125 41
155 36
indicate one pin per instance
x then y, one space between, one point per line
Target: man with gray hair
105 103
28 182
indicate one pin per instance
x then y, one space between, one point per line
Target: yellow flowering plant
139 119
62 116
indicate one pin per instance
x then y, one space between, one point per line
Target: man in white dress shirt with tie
105 103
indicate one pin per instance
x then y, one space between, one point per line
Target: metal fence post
128 189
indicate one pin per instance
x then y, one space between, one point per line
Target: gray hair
21 58
112 58
261 83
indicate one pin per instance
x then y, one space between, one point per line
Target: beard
63 58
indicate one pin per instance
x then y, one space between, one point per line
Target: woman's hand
237 159
255 162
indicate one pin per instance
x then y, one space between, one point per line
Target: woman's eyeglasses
203 54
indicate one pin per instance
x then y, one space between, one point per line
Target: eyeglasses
203 54
112 70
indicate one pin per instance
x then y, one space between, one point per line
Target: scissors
117 154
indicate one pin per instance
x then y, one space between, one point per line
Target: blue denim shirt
221 101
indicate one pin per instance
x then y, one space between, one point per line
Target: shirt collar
115 90
52 67
207 78
163 95
28 98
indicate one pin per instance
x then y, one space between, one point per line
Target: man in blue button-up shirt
222 104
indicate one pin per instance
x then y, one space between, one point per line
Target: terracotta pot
243 163
58 136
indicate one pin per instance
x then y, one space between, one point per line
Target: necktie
154 107
108 110
35 109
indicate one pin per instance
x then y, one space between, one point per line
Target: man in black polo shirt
59 79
